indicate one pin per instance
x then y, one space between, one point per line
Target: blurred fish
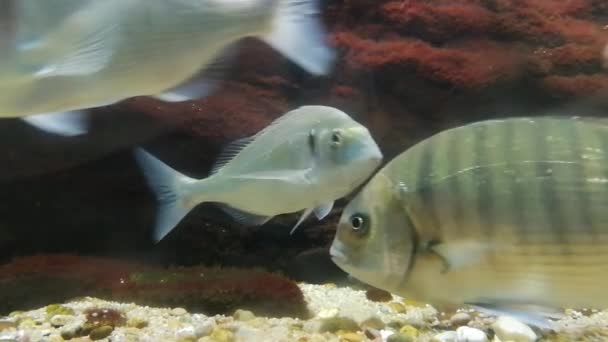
304 160
506 215
59 57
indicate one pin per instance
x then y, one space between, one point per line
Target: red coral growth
34 281
569 58
439 22
472 65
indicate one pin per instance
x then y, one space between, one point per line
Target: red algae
472 65
439 22
34 281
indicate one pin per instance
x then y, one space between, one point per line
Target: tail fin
298 34
168 186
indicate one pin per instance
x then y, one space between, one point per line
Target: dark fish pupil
311 141
357 222
335 137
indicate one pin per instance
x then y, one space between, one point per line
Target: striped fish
504 214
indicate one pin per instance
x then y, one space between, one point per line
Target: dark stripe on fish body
516 202
7 25
453 158
582 201
423 182
483 191
552 207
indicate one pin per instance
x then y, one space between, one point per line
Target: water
405 69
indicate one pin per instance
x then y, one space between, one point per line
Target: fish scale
520 205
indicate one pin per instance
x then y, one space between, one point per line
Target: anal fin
245 218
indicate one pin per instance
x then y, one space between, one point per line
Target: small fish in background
304 160
508 216
61 57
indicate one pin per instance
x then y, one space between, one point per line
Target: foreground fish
304 160
58 57
507 215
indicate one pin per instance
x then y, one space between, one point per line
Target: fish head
347 154
375 240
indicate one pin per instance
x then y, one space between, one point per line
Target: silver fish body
66 55
304 160
501 213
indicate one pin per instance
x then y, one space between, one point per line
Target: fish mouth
337 256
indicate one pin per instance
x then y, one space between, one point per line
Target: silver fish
506 215
304 160
60 57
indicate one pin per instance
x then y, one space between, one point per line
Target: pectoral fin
323 210
320 212
457 254
305 215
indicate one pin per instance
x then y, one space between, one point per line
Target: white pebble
205 328
179 312
460 318
446 336
467 334
328 313
61 320
510 329
187 332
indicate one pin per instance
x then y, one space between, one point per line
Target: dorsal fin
230 151
280 119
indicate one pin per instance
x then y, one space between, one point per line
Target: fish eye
358 224
336 138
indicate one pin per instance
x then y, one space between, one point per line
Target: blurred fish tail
298 34
169 188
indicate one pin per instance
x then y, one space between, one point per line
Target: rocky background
406 70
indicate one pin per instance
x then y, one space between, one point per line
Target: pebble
373 322
338 323
101 332
510 329
400 337
398 307
410 331
467 334
221 335
178 312
70 330
137 322
205 328
378 295
243 315
460 318
446 336
126 335
351 337
61 320
186 333
328 313
5 324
